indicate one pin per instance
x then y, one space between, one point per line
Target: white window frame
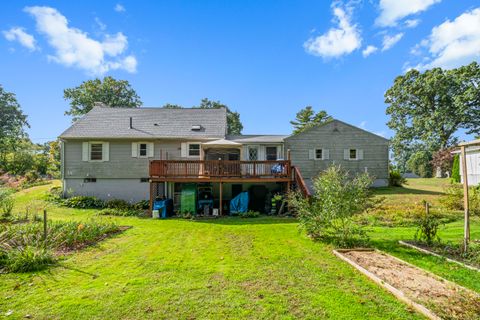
350 154
248 152
199 149
276 153
90 143
139 148
315 154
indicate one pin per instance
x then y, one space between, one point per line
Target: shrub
456 169
249 214
338 197
31 176
83 202
142 205
396 179
118 204
453 198
26 259
6 206
427 229
121 212
420 164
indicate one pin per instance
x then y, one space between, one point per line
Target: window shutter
150 149
183 150
311 154
106 151
346 154
134 149
85 151
359 154
326 154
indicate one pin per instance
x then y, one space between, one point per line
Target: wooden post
151 198
288 155
45 226
466 230
221 199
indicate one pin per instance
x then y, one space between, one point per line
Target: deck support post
151 198
221 198
466 231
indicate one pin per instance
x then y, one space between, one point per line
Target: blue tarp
239 203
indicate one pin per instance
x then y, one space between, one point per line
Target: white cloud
337 41
102 26
453 43
389 41
391 11
411 23
74 48
369 50
119 8
19 34
363 125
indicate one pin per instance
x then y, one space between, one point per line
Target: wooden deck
220 171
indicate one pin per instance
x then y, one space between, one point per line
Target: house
472 159
145 153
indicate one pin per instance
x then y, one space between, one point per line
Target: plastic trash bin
163 206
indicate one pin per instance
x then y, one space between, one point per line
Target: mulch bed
442 298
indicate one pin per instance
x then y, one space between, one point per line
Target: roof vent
196 127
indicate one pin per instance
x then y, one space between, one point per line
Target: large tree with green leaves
428 108
113 93
234 125
12 123
307 118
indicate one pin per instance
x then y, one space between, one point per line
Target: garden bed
448 252
429 294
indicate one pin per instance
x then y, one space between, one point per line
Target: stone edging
406 244
397 293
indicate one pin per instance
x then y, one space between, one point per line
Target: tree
307 118
443 160
338 197
428 108
420 163
456 169
113 93
234 125
12 123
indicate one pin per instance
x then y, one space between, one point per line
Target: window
96 151
353 154
271 153
142 149
89 180
252 153
319 154
193 150
144 179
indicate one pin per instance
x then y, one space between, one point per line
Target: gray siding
121 164
337 136
131 190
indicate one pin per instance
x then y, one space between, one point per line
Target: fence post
45 226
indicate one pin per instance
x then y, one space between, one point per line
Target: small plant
453 198
6 206
83 202
249 214
186 215
427 229
27 259
117 204
456 169
396 179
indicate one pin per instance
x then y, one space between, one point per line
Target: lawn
225 268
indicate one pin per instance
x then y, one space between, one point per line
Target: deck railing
300 183
220 169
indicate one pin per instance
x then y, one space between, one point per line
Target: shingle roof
257 138
105 122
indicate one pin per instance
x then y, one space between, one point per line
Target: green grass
225 268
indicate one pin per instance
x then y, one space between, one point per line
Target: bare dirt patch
443 298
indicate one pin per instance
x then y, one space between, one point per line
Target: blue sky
264 59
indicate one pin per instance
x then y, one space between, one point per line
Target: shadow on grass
232 221
403 190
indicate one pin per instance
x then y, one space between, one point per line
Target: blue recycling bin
164 206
